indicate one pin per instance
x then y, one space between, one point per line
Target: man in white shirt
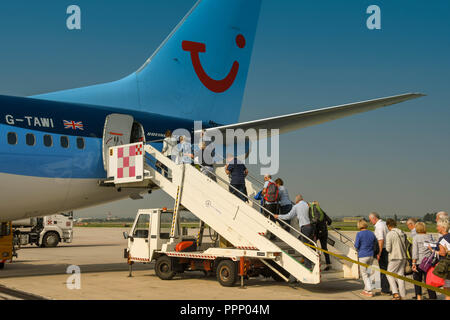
381 231
169 143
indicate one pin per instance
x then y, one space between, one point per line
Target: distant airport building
351 219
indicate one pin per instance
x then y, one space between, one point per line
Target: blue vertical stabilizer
199 72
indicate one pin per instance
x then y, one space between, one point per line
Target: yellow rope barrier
443 291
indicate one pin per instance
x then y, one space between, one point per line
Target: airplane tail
199 72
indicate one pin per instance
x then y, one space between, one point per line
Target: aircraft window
12 138
64 142
68 214
48 140
5 229
165 225
142 225
30 139
80 143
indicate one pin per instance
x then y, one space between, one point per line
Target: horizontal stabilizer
305 119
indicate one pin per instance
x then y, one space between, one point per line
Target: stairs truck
245 249
46 231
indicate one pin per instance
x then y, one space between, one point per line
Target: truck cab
149 233
156 235
47 231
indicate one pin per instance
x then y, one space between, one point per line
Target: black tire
164 268
2 265
50 240
226 273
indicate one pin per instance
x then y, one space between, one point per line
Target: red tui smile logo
214 85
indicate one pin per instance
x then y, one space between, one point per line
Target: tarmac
98 252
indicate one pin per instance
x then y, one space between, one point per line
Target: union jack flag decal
73 125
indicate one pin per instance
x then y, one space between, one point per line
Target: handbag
408 268
428 262
434 280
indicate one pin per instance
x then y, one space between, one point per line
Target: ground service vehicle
155 235
190 253
45 231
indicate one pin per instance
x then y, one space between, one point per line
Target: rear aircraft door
116 132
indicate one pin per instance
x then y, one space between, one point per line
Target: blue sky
307 55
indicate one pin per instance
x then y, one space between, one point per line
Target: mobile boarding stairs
241 223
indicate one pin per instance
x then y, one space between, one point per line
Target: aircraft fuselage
51 154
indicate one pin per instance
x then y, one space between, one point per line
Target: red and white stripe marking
190 255
247 248
140 259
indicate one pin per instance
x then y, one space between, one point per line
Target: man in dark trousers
237 172
320 221
381 231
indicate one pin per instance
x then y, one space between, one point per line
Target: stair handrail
261 207
248 198
293 203
343 236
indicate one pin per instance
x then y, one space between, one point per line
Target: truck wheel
163 268
227 273
50 240
2 265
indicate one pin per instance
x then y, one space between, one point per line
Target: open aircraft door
116 132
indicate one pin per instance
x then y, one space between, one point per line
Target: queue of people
388 245
313 222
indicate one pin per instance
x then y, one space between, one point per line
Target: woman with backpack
396 247
271 196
